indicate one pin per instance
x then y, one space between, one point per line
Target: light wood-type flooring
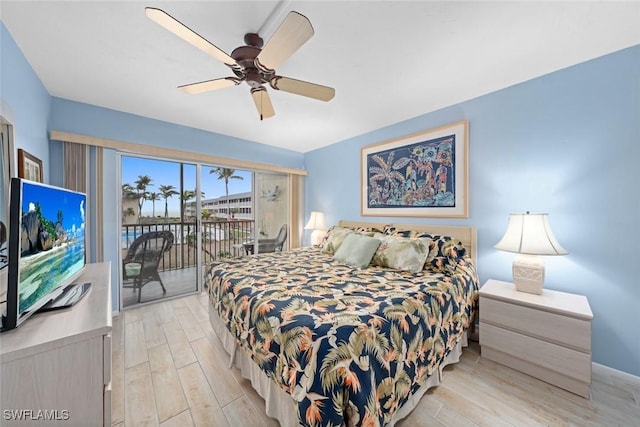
170 369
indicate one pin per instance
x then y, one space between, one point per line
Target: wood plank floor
169 369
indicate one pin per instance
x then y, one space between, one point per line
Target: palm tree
141 191
387 172
167 191
153 197
186 196
226 174
127 190
189 195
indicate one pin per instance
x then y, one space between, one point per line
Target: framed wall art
29 166
420 175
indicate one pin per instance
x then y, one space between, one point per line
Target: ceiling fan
254 64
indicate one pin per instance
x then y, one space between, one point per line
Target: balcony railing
220 239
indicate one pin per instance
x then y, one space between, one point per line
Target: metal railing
220 239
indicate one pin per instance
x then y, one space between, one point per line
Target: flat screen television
46 250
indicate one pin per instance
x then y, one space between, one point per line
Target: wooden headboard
466 235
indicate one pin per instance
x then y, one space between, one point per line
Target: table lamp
529 235
316 223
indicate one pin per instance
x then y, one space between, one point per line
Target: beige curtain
76 178
75 166
296 185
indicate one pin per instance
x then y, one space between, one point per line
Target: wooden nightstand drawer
559 329
571 363
563 367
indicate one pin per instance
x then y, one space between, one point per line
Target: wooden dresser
547 336
55 369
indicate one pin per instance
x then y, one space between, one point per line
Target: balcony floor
177 282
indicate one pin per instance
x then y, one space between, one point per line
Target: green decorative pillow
334 239
402 253
357 250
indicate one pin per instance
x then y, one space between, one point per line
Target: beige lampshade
316 222
530 234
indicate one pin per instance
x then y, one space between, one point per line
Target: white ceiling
388 61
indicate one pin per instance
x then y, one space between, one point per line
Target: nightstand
547 336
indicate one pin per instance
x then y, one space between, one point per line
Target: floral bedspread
350 346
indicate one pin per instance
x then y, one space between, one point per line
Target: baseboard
613 371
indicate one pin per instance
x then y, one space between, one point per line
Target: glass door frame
183 229
293 208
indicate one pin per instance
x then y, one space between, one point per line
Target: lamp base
528 273
317 236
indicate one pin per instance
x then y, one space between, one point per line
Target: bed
332 335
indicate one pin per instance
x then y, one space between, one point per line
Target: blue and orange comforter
345 343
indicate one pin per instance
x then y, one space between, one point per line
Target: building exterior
238 206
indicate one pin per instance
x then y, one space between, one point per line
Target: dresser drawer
571 363
563 330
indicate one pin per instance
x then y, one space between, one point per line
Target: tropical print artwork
349 345
414 175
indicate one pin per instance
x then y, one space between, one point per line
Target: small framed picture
29 166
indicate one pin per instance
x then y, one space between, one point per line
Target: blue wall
568 144
75 117
25 101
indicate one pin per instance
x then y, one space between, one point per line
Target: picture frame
425 174
29 166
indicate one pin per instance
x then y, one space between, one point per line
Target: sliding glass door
272 212
158 203
227 212
211 213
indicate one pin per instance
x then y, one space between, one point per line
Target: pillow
357 250
402 253
395 231
367 230
444 253
334 238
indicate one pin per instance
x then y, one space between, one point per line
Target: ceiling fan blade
263 102
208 85
167 21
299 87
294 31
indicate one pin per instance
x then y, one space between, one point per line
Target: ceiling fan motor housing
245 57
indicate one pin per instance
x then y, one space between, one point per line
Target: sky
168 173
52 200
